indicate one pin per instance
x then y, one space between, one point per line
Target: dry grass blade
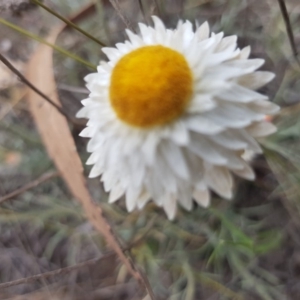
60 145
117 8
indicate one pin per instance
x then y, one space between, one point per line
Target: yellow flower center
150 86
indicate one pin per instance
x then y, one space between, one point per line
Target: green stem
68 22
37 38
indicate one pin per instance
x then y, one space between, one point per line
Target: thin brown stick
61 271
30 185
117 8
66 270
289 29
29 84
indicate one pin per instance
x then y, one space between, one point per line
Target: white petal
202 197
95 143
109 179
207 85
220 180
116 193
88 132
245 52
83 112
158 24
147 33
218 58
164 177
111 53
201 103
137 170
248 156
261 129
264 107
131 198
185 198
249 64
154 187
142 200
195 165
223 72
179 133
149 147
206 150
227 43
169 205
237 93
95 172
94 157
173 155
229 140
123 48
203 125
233 115
246 172
91 77
255 80
134 38
203 31
251 142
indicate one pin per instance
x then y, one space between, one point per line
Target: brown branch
30 185
289 29
29 84
117 8
61 271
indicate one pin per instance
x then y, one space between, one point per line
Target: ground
245 249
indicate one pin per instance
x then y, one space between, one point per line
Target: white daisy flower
171 114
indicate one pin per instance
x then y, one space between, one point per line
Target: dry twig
34 88
30 185
61 271
289 29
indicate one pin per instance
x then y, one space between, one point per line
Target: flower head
171 114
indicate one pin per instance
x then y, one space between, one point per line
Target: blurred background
248 248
